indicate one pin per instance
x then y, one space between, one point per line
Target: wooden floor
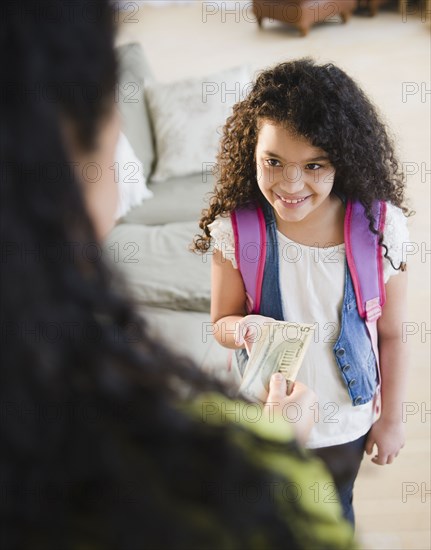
383 53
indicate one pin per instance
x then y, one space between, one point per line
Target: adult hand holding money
280 347
302 399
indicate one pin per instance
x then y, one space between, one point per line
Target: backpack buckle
373 310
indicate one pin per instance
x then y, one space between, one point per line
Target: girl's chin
293 218
291 214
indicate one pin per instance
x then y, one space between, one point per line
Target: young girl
304 142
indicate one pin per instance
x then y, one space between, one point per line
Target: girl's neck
322 227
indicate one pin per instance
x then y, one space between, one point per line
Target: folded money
280 347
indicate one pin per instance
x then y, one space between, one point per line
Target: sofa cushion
159 267
134 71
189 333
175 200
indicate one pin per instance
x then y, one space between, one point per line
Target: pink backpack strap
365 261
364 257
249 231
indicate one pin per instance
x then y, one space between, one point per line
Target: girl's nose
293 178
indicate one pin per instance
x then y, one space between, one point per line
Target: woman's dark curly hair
94 451
324 105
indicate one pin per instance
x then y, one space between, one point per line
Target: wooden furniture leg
303 14
402 6
373 6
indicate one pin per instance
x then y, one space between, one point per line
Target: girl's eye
273 162
313 166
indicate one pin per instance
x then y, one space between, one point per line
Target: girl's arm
228 300
233 328
388 432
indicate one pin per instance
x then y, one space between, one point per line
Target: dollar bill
280 347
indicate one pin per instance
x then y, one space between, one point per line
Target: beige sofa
170 284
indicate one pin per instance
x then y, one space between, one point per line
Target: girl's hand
296 408
389 438
249 330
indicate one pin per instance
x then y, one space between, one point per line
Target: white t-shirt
314 293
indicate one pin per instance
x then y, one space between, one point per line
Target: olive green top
302 491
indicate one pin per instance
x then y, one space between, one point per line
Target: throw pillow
129 174
188 117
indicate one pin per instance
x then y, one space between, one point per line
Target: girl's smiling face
294 176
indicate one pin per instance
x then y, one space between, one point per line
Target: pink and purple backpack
363 252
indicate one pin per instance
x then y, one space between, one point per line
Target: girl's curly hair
324 105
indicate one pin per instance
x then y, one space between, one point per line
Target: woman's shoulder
215 409
269 444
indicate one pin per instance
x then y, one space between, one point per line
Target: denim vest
353 350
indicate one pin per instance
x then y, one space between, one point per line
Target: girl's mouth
292 203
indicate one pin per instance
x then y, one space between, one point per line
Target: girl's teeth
294 201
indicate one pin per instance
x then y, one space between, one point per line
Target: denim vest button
352 382
358 400
340 352
346 368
